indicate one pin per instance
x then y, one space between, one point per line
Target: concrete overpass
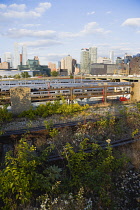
115 78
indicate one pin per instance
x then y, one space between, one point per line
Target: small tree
54 73
17 76
25 74
71 76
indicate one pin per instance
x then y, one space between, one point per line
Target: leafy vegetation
54 73
85 178
24 174
27 177
25 74
52 108
4 114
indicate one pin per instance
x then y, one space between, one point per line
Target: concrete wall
20 99
135 97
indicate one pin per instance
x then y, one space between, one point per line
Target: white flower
108 141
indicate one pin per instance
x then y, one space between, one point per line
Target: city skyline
52 30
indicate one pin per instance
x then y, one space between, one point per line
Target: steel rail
122 142
113 144
56 125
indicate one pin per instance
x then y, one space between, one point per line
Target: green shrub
49 108
5 115
93 170
30 114
25 175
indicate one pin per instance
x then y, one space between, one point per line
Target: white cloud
42 43
17 14
17 6
3 6
92 28
43 7
53 57
89 27
68 35
18 33
91 13
18 10
131 22
31 25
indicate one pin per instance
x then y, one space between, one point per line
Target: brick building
4 65
134 66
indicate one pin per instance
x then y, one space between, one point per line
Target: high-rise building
93 55
8 58
24 55
52 66
59 65
73 65
62 63
20 59
16 59
88 57
112 57
66 63
85 61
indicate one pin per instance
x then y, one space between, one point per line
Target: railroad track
114 144
57 125
40 128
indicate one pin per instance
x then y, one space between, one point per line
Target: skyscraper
73 65
88 57
112 56
85 61
93 54
16 59
62 63
66 63
24 55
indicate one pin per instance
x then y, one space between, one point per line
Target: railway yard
69 89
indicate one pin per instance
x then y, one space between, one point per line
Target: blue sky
56 28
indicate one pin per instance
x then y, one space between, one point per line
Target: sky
57 28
